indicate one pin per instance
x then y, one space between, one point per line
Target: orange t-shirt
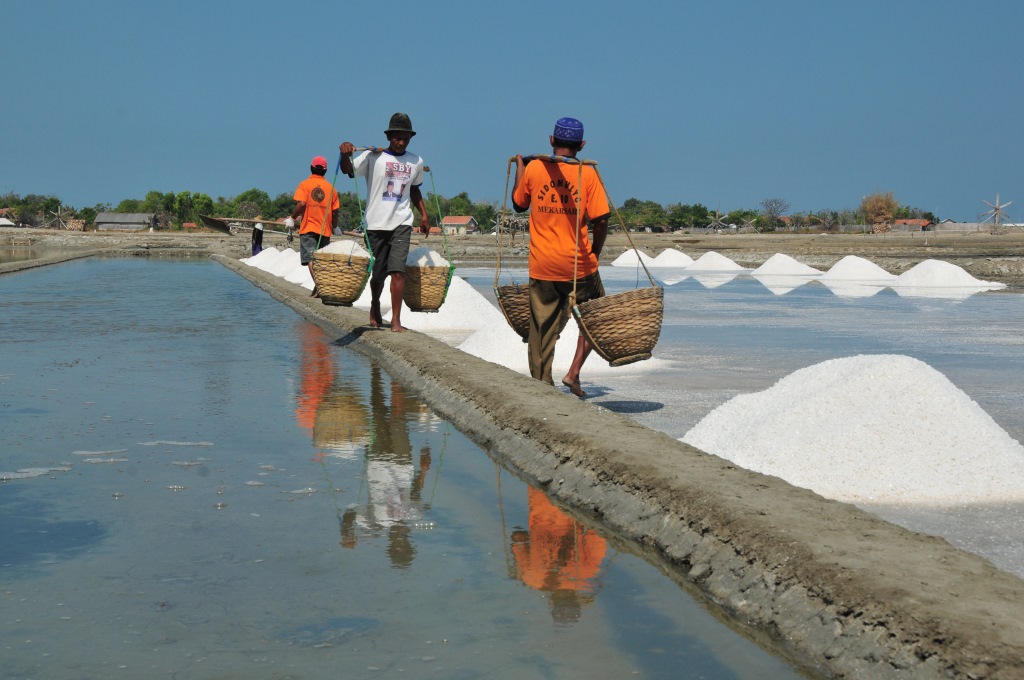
315 190
549 189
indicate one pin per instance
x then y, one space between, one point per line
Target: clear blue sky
723 103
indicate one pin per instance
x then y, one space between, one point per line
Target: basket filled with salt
427 276
340 271
623 328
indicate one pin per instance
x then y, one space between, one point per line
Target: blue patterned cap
569 130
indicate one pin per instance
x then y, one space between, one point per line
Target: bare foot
315 293
398 328
574 387
376 321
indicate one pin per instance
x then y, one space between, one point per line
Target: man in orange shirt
317 203
549 189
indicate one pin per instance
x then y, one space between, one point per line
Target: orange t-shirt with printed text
551 190
321 199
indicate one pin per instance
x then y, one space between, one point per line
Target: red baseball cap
318 162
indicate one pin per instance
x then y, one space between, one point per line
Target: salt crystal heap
935 278
869 429
632 258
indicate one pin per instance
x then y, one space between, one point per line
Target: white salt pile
300 275
670 257
854 268
712 261
632 258
869 429
425 257
784 265
781 273
943 275
345 247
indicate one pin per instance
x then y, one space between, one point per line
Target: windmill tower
57 220
996 215
717 222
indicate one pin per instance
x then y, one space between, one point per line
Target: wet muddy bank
833 588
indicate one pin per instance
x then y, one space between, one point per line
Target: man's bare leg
572 378
376 288
397 295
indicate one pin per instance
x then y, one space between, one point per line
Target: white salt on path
869 429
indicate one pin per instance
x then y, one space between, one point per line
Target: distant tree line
174 209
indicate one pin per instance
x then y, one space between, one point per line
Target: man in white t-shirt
393 178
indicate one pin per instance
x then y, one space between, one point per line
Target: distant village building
109 221
912 225
4 222
460 225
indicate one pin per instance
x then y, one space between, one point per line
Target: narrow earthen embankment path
832 588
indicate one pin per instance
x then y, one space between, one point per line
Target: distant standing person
549 189
393 179
317 204
257 239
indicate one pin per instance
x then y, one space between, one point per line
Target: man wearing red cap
317 203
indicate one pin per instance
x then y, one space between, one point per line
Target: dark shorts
309 243
390 250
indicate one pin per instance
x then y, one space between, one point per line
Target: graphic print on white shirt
397 176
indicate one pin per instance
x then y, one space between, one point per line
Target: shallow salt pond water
201 484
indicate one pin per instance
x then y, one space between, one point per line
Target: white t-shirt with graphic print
389 180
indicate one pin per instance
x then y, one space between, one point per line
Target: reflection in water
559 556
316 373
342 425
394 486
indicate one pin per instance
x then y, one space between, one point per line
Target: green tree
485 215
129 205
253 197
282 206
460 205
156 201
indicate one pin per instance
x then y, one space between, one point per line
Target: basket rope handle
579 221
359 204
444 235
624 227
501 224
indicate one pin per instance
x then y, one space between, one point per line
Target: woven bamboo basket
341 420
623 328
426 287
514 301
339 278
